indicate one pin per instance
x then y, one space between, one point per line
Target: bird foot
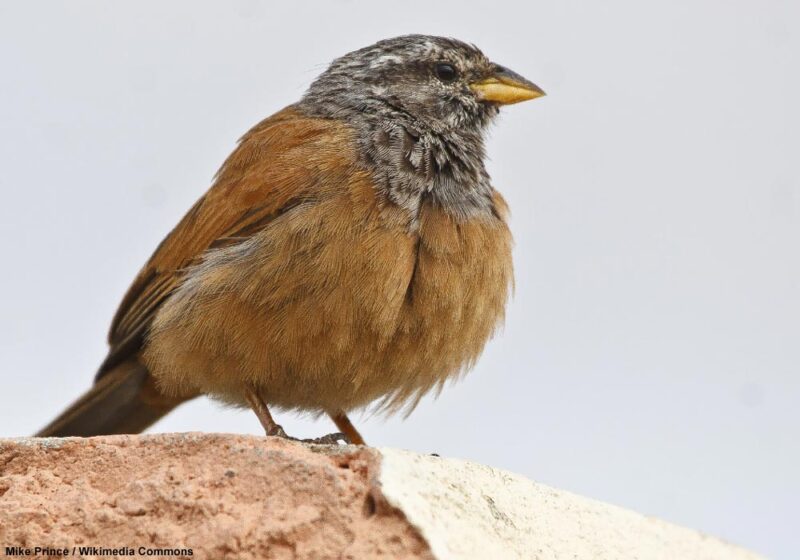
329 439
278 431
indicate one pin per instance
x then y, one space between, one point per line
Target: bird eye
446 72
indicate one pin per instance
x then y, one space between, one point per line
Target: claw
329 439
278 431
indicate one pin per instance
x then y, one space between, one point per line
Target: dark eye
446 72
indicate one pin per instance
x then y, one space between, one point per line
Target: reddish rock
222 496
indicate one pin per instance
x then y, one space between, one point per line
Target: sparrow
351 252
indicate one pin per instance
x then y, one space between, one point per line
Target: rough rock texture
227 496
223 496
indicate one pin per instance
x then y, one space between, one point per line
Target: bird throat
413 166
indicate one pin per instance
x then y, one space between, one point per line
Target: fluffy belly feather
328 308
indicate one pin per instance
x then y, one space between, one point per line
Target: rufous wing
272 169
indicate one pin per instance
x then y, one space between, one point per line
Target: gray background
651 351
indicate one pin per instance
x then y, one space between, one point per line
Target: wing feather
257 182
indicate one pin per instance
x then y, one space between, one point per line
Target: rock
228 496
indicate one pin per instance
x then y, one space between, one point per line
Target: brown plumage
299 281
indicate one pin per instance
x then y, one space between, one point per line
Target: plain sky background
650 356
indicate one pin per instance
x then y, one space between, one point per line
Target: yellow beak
505 87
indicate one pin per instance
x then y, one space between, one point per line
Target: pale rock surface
229 496
466 510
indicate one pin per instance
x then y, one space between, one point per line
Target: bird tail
124 400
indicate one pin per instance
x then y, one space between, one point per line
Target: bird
351 252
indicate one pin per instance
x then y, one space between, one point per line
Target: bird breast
336 303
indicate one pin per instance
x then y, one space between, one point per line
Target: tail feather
123 401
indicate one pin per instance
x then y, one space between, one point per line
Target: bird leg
260 408
272 428
348 430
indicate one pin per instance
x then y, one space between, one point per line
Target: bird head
439 84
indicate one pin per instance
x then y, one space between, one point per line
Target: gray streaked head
421 105
424 79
